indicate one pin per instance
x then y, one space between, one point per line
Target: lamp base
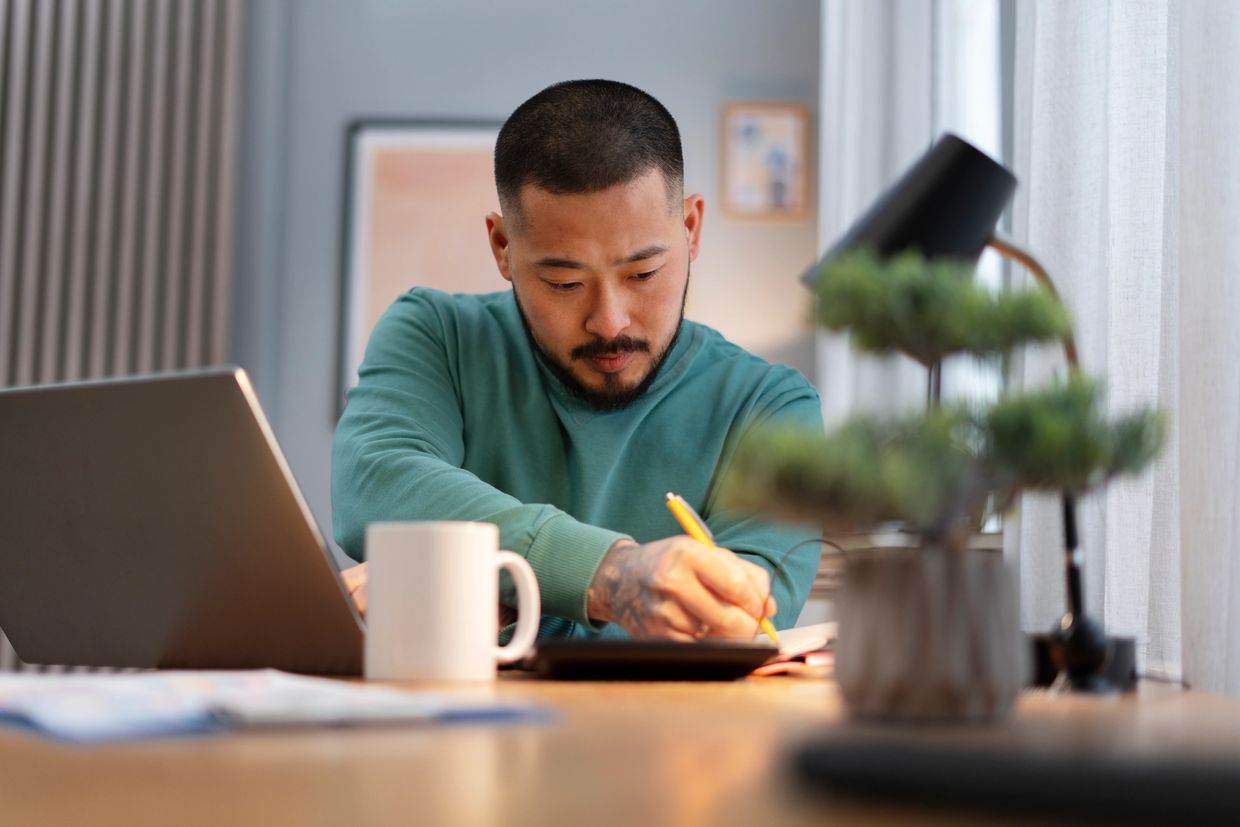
1117 674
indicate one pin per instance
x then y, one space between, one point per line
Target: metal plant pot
929 635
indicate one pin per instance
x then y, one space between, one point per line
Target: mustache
604 347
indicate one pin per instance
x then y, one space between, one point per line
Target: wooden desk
633 754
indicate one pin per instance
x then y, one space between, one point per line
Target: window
969 101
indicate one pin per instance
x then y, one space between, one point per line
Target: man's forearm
402 483
610 587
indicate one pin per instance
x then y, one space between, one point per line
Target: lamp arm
1009 249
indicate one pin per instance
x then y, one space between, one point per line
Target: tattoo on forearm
623 590
507 616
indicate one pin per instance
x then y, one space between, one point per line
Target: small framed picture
765 159
416 197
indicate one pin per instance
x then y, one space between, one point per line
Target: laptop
153 522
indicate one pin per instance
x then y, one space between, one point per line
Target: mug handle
528 607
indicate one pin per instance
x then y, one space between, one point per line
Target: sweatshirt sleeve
398 451
790 552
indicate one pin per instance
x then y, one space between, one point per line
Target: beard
613 396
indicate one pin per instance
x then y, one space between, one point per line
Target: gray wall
314 65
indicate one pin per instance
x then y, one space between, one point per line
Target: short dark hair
583 136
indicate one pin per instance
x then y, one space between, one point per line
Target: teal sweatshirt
456 417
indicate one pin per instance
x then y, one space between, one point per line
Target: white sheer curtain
1126 117
875 120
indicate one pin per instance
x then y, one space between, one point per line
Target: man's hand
680 589
355 581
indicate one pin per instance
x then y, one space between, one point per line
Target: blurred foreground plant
936 471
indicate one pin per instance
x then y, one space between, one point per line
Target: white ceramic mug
433 602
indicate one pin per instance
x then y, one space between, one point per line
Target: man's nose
609 315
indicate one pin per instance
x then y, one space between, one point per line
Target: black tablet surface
648 660
1069 782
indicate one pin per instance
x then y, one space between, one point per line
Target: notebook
804 639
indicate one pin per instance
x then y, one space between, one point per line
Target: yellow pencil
696 528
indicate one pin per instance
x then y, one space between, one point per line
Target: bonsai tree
935 472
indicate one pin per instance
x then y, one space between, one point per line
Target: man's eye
563 286
646 276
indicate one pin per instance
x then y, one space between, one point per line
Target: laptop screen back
153 522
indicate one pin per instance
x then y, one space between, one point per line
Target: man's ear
695 205
497 235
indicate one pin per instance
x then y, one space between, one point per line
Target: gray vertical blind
117 161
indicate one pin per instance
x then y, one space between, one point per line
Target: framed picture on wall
416 197
765 161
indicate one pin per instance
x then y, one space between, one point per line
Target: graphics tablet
154 522
646 660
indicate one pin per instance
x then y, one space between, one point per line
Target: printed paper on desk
91 708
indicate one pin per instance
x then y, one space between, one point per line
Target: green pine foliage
935 472
1056 439
864 473
931 310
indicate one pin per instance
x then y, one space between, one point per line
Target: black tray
648 660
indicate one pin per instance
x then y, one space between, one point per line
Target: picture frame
765 161
416 194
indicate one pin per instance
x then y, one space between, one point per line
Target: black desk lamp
946 206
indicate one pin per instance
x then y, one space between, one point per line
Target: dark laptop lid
154 522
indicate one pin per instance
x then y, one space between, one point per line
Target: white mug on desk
433 606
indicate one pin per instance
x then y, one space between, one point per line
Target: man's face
600 280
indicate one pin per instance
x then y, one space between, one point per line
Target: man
563 409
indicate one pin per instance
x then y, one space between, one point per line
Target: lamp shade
945 206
